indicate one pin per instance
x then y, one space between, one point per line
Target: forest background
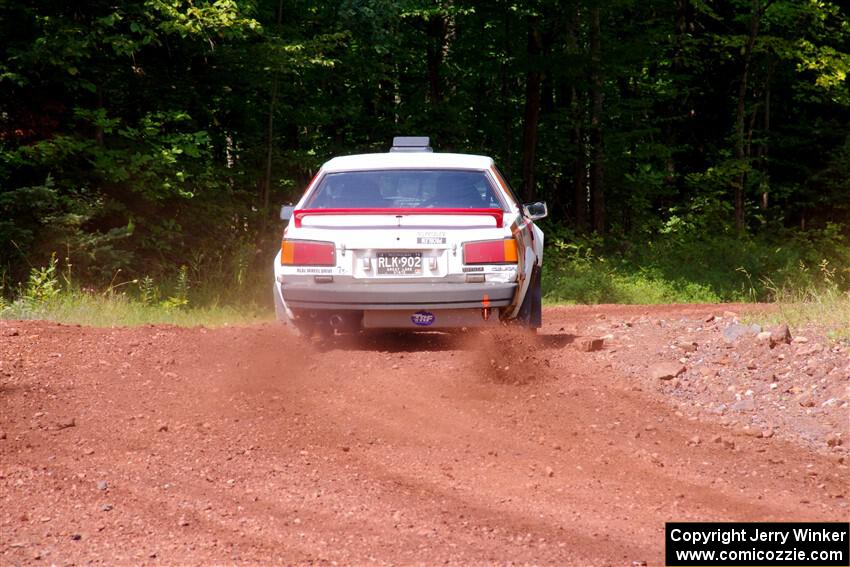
689 150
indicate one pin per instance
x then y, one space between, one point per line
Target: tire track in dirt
247 445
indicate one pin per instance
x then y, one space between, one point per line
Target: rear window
402 189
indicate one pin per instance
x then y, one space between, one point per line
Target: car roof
408 160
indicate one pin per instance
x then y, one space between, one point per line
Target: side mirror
286 212
535 211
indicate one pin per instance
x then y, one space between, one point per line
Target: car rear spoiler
497 214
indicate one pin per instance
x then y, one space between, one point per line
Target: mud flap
282 316
531 311
279 309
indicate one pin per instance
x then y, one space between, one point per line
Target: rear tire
531 312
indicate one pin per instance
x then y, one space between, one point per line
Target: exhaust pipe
336 321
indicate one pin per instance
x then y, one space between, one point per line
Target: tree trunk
507 113
437 26
579 197
597 168
547 89
266 188
765 146
98 132
580 185
269 148
532 109
675 108
740 115
682 10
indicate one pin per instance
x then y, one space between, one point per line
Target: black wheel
531 311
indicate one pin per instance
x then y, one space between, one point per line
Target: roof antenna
411 144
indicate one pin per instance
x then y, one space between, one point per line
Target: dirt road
160 445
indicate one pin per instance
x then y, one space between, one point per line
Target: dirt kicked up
161 445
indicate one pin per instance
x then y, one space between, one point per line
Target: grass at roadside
598 282
815 297
696 267
51 295
807 280
827 309
107 310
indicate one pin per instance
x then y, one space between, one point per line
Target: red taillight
307 253
490 252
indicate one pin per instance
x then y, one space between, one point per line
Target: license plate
399 263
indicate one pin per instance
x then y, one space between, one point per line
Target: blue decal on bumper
423 318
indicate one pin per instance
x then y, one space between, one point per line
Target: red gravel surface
161 445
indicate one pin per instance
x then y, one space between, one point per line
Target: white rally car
409 239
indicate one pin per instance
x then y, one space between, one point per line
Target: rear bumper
361 296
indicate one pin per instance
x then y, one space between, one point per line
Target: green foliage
824 301
155 139
148 292
48 294
42 286
578 271
109 310
683 265
180 297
